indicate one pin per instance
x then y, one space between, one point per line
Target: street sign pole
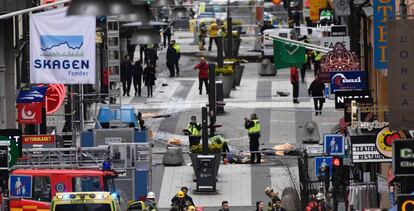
212 98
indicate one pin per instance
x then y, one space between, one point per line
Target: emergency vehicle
84 201
48 172
45 172
46 183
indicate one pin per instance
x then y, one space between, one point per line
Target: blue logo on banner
48 42
333 144
323 161
383 12
67 48
353 80
20 186
32 94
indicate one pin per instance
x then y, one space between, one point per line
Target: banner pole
9 15
307 45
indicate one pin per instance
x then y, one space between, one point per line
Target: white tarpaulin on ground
62 48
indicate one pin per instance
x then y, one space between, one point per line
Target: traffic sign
20 186
322 162
333 144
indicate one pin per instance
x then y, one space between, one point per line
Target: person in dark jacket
224 206
149 78
316 90
294 80
253 129
278 205
171 59
177 48
167 35
137 77
202 74
180 201
267 24
187 198
126 75
151 55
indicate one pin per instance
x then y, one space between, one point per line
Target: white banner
62 48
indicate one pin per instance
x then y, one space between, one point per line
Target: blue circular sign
60 187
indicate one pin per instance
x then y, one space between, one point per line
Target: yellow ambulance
85 201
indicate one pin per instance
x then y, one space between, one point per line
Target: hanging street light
146 36
141 13
100 7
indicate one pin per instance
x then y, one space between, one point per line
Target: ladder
123 156
114 67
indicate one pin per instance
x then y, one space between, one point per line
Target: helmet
268 190
217 140
320 196
151 195
180 194
191 208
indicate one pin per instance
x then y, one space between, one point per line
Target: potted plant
238 70
213 149
226 75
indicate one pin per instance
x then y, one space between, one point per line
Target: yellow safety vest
256 128
220 143
213 29
177 48
318 56
193 130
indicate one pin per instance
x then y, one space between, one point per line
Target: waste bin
206 177
219 97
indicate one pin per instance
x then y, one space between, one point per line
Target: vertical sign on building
400 74
384 10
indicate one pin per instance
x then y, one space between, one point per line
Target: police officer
219 140
317 61
253 129
194 132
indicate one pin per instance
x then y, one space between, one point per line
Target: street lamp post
229 53
403 10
